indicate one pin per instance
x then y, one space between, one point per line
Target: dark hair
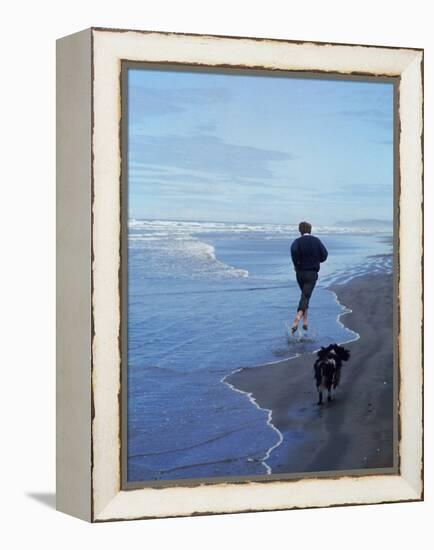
304 227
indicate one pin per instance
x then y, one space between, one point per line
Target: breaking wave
267 231
179 253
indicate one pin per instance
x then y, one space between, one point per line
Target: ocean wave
169 228
182 248
183 256
376 264
269 421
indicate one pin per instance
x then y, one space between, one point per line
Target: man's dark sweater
307 253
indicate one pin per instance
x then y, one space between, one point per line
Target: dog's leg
329 395
337 378
319 397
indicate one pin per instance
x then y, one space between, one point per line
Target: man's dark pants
306 281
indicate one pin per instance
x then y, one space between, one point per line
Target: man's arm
322 252
295 253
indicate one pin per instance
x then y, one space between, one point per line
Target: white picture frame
89 269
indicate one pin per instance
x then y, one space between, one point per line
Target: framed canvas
239 274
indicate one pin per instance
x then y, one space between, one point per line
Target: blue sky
220 147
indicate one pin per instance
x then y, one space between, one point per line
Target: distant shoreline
373 227
356 430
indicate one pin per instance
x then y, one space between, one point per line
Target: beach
208 304
355 430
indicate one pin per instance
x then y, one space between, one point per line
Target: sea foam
176 252
170 227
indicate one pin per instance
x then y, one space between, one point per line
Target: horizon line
256 222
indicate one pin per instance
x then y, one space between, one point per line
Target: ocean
204 300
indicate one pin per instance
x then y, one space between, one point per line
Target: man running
307 253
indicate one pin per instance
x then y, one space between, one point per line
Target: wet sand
355 430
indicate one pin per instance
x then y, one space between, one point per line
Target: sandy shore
355 431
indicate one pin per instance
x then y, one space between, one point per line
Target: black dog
328 369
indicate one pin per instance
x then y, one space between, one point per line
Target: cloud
384 141
145 102
205 153
146 174
181 187
380 117
163 176
206 128
353 193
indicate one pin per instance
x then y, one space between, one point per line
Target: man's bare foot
297 319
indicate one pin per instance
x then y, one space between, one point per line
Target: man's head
304 227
